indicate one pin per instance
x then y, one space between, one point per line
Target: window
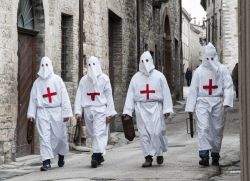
156 58
215 29
25 17
67 47
220 23
212 29
208 30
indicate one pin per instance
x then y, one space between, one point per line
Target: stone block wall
50 46
230 33
173 10
96 42
8 79
96 30
225 13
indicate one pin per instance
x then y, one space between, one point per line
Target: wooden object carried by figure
128 127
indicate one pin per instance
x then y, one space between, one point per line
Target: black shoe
204 162
215 158
148 161
160 160
46 165
215 162
100 160
94 161
60 160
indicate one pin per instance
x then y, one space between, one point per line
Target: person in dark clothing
188 76
235 79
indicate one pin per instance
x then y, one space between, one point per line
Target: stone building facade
171 21
186 34
198 37
193 36
222 28
244 82
116 31
111 33
28 31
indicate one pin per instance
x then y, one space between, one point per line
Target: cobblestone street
124 162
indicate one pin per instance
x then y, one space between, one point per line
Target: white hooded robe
210 90
49 105
149 95
94 97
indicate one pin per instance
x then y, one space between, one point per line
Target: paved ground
123 163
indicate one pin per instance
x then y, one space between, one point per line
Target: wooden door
26 76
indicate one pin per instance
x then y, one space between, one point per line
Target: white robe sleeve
167 98
193 93
110 102
227 88
129 103
66 106
78 99
32 103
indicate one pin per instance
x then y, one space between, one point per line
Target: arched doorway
27 63
168 54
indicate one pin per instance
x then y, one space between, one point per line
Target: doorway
115 63
168 55
26 76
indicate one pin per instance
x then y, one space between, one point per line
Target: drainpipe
138 30
81 17
214 26
181 53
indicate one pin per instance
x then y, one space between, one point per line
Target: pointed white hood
210 58
46 68
94 68
146 64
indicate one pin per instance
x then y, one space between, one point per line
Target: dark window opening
67 47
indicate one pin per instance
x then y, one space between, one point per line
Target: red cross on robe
147 91
93 95
210 87
49 95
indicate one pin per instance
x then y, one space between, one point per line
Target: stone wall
96 42
196 47
224 31
8 79
173 10
192 34
96 30
49 44
244 91
213 24
186 33
53 45
230 33
152 33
